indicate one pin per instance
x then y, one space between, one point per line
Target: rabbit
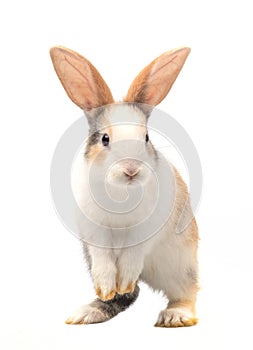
119 151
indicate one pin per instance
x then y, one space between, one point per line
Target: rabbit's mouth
128 172
132 181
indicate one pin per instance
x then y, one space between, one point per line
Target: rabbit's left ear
154 82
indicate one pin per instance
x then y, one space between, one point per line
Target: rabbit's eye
147 138
105 139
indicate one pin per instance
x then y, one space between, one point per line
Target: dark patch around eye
92 140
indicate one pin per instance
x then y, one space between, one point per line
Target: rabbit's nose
131 172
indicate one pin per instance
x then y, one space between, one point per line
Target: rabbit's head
118 145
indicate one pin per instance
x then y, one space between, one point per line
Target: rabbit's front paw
176 317
129 269
104 283
126 280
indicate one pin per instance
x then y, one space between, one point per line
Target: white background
43 278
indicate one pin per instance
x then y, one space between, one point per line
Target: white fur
128 222
176 317
86 314
162 260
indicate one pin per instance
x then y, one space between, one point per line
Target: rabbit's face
118 149
119 146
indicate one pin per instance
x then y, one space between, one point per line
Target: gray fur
94 118
118 304
192 274
86 254
92 140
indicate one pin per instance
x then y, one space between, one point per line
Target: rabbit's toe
105 295
128 289
176 317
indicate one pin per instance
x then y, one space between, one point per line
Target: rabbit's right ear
82 82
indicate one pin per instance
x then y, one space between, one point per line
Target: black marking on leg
116 305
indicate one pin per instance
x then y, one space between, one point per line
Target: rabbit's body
120 167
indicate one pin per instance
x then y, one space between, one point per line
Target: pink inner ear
78 81
160 65
155 81
81 74
161 79
82 82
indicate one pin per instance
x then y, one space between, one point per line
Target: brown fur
103 297
80 79
96 151
154 82
130 288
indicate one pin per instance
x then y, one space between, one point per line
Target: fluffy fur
117 252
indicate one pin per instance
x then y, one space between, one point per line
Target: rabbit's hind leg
178 314
101 311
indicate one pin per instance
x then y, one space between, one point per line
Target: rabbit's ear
155 81
82 82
